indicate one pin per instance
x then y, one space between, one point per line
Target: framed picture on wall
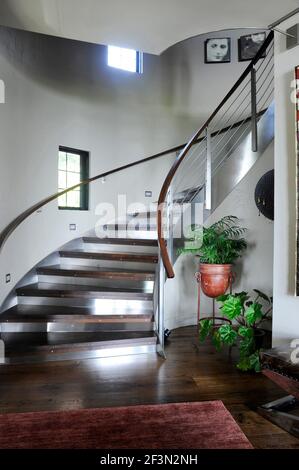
297 174
249 45
217 50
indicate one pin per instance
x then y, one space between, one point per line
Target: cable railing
235 118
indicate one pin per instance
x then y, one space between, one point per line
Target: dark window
73 168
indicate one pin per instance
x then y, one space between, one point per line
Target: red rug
205 425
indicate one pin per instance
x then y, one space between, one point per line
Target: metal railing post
169 218
161 306
254 143
208 179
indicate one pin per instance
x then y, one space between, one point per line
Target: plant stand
213 316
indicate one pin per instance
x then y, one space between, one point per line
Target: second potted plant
246 316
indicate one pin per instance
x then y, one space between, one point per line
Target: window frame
84 174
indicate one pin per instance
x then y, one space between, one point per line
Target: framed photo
249 45
217 50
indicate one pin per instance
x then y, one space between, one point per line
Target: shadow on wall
181 294
70 67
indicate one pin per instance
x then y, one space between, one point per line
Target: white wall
61 92
286 305
253 270
193 87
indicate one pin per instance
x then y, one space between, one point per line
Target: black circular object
264 195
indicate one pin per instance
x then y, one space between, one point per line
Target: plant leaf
263 295
232 307
244 364
254 360
253 313
227 334
245 332
251 362
217 341
223 298
247 346
205 327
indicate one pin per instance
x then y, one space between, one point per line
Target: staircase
105 296
96 302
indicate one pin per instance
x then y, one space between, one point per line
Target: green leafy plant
221 243
245 315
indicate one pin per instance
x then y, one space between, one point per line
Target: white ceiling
148 25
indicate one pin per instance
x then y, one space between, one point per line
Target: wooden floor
191 372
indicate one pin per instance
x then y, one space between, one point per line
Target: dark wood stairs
103 307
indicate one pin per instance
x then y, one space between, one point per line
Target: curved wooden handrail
11 227
162 197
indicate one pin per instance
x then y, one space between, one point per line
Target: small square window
72 168
125 59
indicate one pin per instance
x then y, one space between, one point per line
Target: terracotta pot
215 278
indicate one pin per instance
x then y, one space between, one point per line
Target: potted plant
217 246
246 316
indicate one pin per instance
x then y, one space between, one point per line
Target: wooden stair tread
49 313
120 241
27 343
43 289
112 256
96 272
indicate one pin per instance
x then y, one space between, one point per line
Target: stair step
95 272
121 241
53 314
42 289
35 347
113 256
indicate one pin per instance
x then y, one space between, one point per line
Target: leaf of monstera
253 313
232 307
227 334
205 327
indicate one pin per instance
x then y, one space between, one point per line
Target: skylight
125 59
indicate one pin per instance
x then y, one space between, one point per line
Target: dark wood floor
190 373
